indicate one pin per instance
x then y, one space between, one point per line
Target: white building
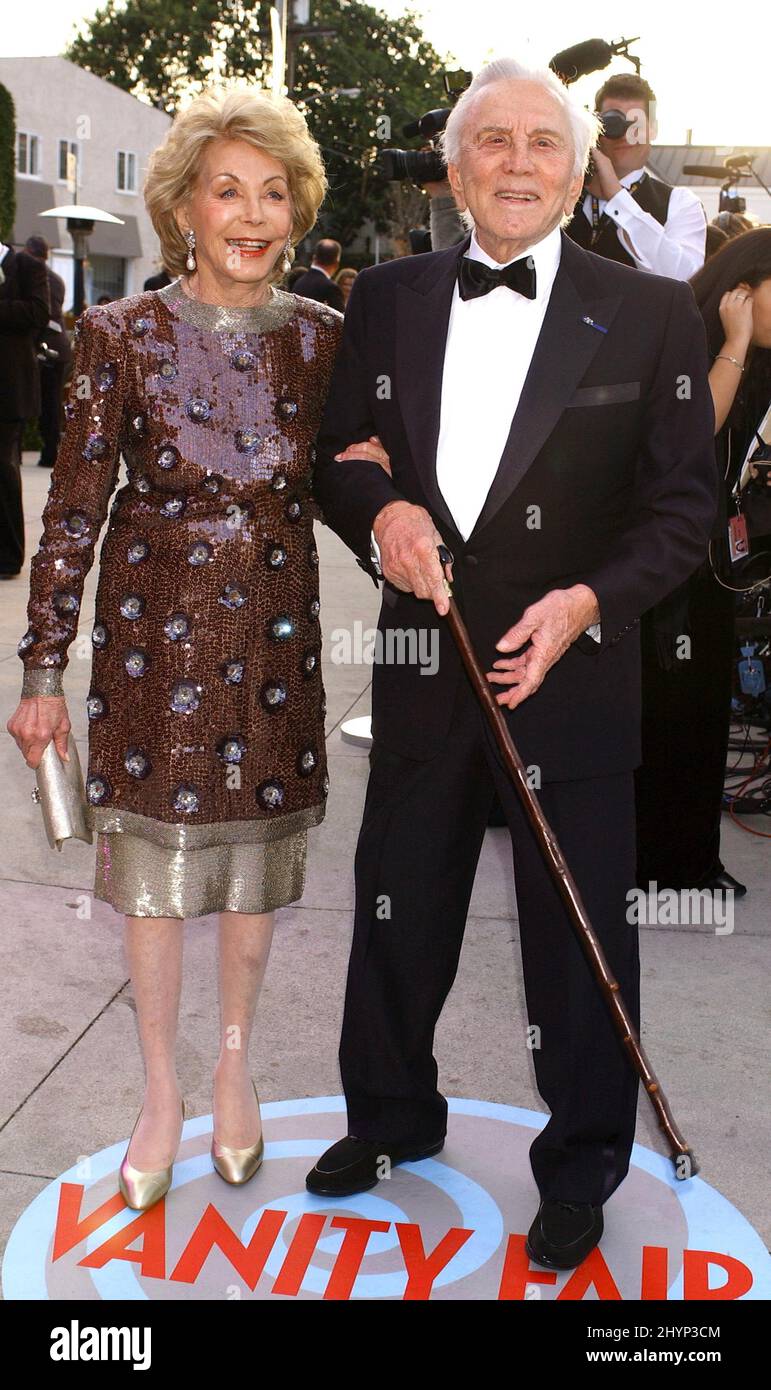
63 110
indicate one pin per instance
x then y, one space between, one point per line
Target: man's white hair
585 127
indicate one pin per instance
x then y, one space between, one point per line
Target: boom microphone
586 57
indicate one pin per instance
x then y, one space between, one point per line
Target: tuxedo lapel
422 318
565 347
563 352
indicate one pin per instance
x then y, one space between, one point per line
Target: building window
66 147
127 172
106 275
27 154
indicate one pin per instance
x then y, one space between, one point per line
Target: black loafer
724 883
563 1233
354 1165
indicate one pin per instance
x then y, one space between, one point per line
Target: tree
162 51
7 164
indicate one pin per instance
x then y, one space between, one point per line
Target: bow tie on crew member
548 389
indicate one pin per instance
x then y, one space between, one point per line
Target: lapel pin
592 324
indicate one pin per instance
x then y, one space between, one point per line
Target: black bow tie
475 278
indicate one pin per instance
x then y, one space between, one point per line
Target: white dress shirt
676 249
490 343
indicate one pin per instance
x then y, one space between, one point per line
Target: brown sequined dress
206 707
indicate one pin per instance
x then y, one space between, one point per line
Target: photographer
625 213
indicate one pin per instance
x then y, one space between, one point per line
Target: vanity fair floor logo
450 1227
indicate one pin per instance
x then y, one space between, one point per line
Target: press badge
738 540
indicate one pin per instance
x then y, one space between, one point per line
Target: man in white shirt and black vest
526 392
624 212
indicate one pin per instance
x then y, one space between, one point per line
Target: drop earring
287 259
190 239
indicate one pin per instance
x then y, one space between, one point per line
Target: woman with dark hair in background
687 702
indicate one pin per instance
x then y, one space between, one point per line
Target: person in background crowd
627 214
345 279
293 275
318 282
159 281
25 309
686 705
104 299
55 357
716 238
733 223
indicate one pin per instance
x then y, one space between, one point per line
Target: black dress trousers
11 502
419 844
686 720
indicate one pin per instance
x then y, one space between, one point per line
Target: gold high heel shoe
141 1189
238 1165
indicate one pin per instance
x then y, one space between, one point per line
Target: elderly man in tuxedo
547 417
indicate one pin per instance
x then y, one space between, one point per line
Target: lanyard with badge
600 220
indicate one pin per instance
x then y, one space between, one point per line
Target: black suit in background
157 282
52 373
622 468
314 284
24 313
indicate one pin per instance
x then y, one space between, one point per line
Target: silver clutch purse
61 794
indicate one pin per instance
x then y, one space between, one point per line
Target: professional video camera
424 166
734 168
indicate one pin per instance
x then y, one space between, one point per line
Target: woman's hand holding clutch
36 720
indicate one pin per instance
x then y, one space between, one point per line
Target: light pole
80 224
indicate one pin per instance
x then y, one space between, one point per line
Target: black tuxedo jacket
24 313
608 478
314 284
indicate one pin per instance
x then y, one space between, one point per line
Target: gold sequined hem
175 835
144 879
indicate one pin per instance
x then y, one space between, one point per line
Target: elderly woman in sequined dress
206 705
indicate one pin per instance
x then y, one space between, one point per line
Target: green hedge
7 164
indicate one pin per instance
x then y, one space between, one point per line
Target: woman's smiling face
240 210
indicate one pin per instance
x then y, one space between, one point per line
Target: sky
710 74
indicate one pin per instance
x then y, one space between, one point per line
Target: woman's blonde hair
272 124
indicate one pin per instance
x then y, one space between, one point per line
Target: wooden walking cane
682 1155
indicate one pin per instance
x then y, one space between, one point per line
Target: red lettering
592 1270
517 1273
69 1229
655 1273
351 1253
300 1253
422 1269
151 1258
213 1230
696 1265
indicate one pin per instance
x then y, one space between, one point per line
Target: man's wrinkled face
514 172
